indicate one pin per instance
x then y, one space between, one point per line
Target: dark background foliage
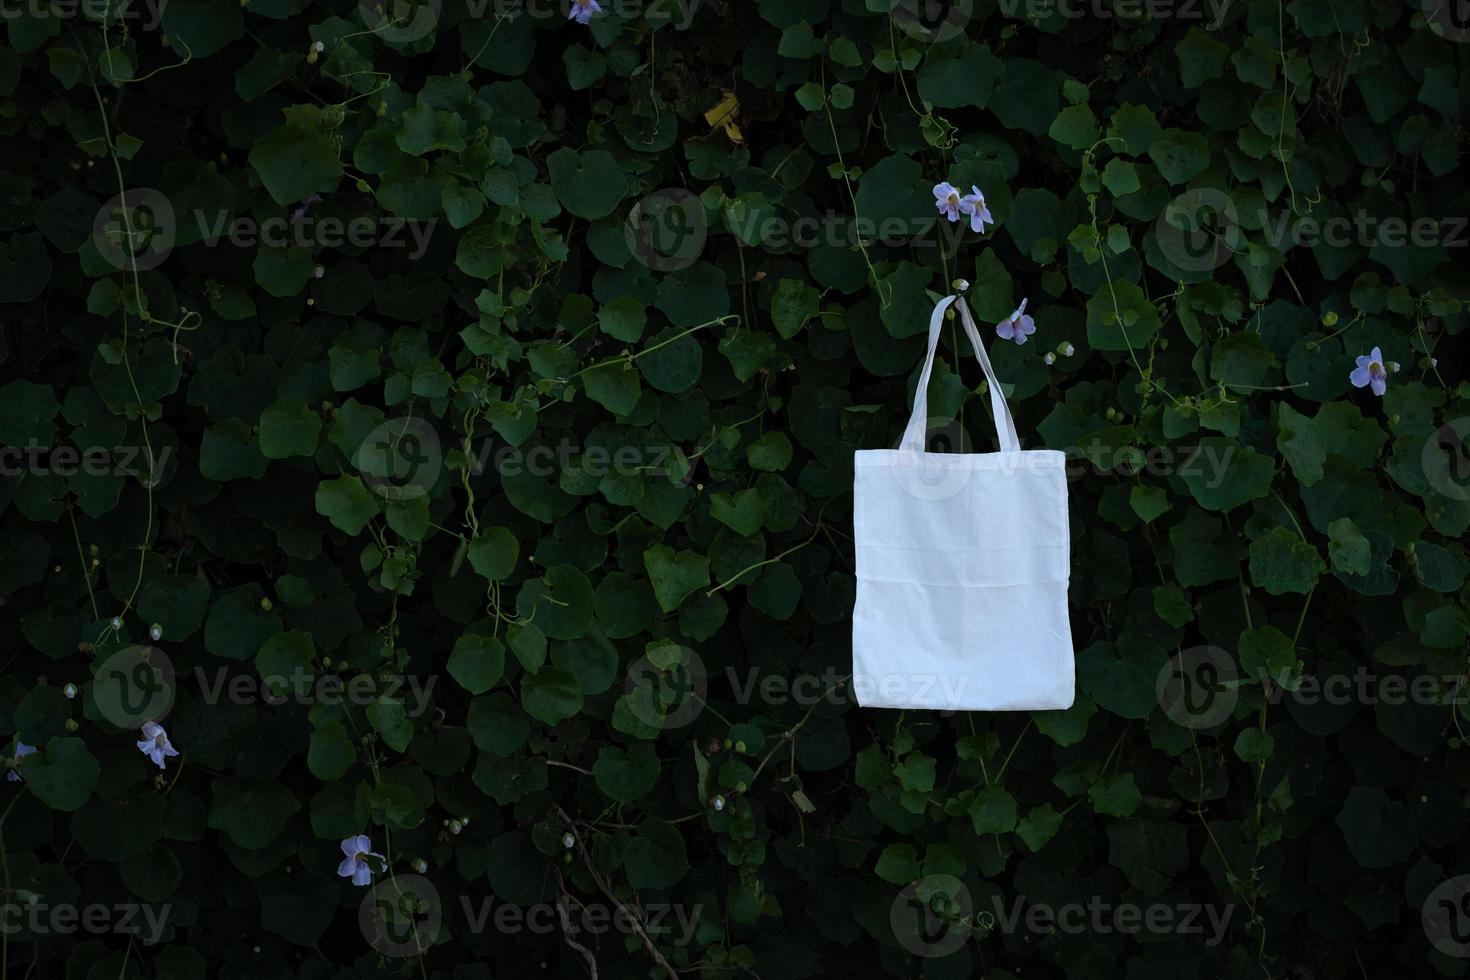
628 297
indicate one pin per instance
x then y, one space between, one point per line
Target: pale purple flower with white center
21 751
1370 372
306 202
582 10
973 204
355 865
1018 326
947 199
155 744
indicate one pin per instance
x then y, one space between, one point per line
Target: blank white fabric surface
962 568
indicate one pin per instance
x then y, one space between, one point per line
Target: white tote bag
962 567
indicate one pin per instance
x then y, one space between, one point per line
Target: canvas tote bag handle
1005 427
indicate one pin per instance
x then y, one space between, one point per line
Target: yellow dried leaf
723 114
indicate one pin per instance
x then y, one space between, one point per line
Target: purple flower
1018 326
947 199
355 865
21 751
155 744
305 205
973 204
581 11
1370 372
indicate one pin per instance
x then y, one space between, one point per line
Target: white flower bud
1050 358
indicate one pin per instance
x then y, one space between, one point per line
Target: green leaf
626 776
1201 58
26 411
1180 155
742 512
390 720
494 553
1121 318
1115 796
1254 745
294 162
590 184
331 752
793 304
289 428
251 812
1348 549
1039 826
993 811
614 386
1282 562
965 80
623 317
551 695
675 575
770 453
477 662
1222 475
1075 126
346 503
63 774
656 857
898 864
1148 502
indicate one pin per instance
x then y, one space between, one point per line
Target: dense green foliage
504 372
